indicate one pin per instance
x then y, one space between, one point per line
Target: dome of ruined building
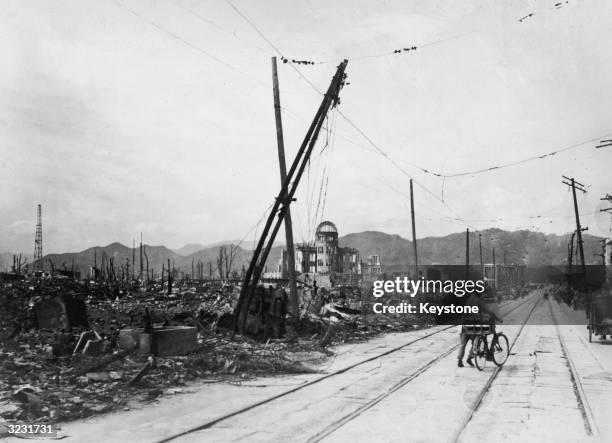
326 227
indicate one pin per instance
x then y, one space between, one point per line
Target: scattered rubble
70 350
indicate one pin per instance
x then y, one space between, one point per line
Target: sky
131 116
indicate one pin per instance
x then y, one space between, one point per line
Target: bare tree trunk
144 249
170 278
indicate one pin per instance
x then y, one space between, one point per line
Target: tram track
581 398
339 423
486 388
349 417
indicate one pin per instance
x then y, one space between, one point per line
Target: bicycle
496 351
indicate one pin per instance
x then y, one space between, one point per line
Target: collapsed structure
324 259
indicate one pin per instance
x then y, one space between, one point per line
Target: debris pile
70 350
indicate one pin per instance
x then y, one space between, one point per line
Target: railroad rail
328 430
581 399
486 388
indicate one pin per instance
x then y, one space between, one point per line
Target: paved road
555 386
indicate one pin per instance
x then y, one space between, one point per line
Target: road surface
555 386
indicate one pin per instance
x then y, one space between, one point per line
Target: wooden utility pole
494 269
293 295
480 248
576 185
570 253
467 253
283 200
414 241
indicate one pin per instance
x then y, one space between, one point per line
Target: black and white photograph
306 221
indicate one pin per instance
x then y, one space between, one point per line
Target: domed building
324 256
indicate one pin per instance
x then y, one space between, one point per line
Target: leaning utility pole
570 260
576 185
293 295
414 242
283 200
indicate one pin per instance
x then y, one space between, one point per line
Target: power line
370 141
395 164
514 163
386 155
216 25
269 42
186 42
397 51
404 49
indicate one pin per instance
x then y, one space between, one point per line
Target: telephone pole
467 253
414 241
284 199
576 185
480 248
293 296
494 269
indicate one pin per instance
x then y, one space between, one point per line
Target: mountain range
396 252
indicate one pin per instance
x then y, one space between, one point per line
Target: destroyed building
323 258
373 266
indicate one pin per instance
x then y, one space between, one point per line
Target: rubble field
79 367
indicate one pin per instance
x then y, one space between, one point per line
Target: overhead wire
186 42
366 137
217 26
386 155
513 163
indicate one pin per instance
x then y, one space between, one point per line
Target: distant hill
526 247
158 257
192 248
121 256
189 249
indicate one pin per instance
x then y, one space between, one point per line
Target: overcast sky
157 116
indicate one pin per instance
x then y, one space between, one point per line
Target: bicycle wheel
500 349
480 352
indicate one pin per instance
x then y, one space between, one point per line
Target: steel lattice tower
38 248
